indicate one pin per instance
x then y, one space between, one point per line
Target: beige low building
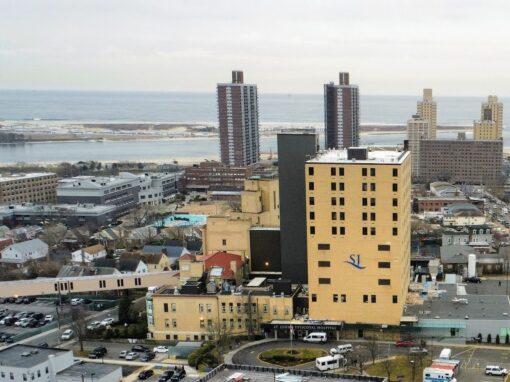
202 316
260 202
224 233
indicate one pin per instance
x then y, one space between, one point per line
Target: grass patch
287 357
399 366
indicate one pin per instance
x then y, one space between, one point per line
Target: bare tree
359 358
389 366
53 235
78 324
372 348
220 333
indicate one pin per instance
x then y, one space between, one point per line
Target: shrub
497 339
507 339
489 339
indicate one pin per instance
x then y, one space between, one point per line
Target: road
473 358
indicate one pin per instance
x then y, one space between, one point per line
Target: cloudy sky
458 47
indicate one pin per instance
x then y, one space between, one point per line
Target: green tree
489 338
507 339
125 307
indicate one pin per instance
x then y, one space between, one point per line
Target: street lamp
413 365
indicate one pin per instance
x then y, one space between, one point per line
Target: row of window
341 201
343 298
341 171
364 186
327 281
32 375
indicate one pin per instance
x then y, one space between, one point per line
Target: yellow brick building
490 126
485 130
260 202
358 235
427 110
224 233
194 317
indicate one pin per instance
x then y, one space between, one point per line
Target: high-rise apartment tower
358 235
427 110
238 122
490 125
341 114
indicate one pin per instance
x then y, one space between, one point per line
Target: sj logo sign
355 261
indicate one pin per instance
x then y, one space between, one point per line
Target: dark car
139 349
28 300
147 356
473 280
98 352
166 376
9 300
43 345
38 316
19 300
146 374
178 375
87 301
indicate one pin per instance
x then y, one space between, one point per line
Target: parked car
405 343
146 374
495 370
147 356
123 353
418 350
93 325
131 356
139 349
341 349
28 299
474 280
160 349
67 335
19 300
107 321
166 376
76 301
48 317
43 345
98 352
178 375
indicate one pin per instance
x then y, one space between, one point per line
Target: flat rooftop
8 178
278 374
27 356
99 370
374 157
82 209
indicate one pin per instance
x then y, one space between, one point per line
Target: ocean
286 109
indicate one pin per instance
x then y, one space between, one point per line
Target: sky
394 47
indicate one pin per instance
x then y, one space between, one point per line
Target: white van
495 370
431 374
341 349
318 337
445 353
152 289
330 362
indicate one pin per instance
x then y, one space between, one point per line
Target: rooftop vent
357 153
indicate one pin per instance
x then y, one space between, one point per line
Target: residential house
462 214
88 254
156 262
20 253
131 264
231 266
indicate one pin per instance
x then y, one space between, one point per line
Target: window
223 307
364 231
165 307
239 323
384 282
314 297
174 307
364 201
224 241
384 264
383 247
365 298
341 201
342 230
373 299
372 172
372 216
312 215
333 201
310 171
174 323
341 216
395 187
312 230
333 186
341 171
333 171
364 187
395 299
395 217
324 264
231 323
324 280
209 308
335 298
333 215
395 202
311 200
333 230
167 323
372 202
364 216
310 186
265 308
209 324
200 308
372 187
323 247
167 336
341 186
394 231
372 231
343 298
395 172
231 307
364 172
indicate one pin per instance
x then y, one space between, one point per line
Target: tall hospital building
238 122
341 114
358 235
